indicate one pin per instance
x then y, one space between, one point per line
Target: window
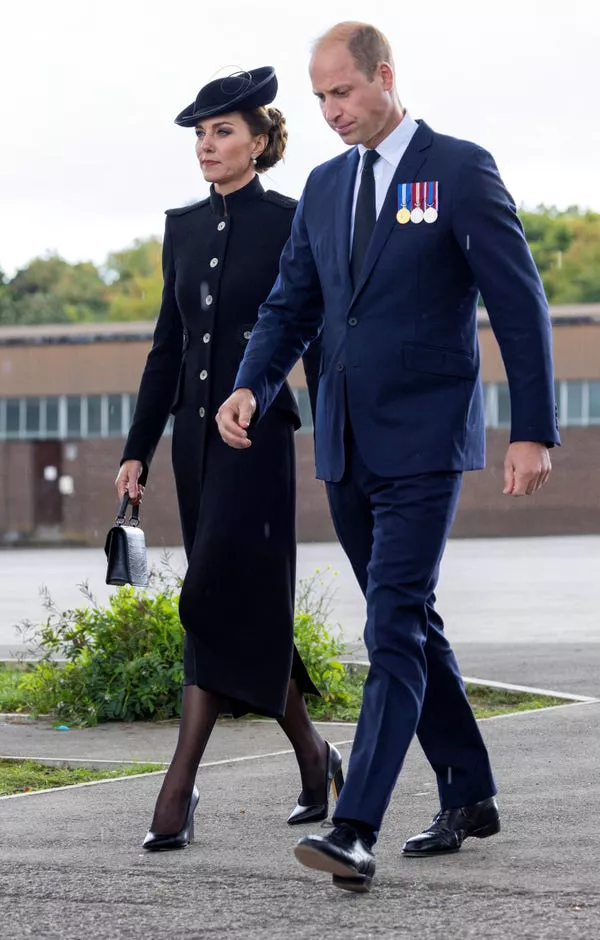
594 402
52 417
32 416
13 410
61 417
73 417
94 416
303 400
115 415
575 403
503 406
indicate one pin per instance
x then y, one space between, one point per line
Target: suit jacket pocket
438 361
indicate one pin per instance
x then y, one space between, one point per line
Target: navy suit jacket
400 349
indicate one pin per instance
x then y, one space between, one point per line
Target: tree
566 249
135 277
50 290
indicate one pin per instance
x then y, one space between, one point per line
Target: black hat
247 90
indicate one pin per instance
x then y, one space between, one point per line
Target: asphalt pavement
522 612
71 864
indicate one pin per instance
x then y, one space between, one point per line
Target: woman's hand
127 481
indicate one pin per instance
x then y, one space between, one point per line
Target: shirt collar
393 146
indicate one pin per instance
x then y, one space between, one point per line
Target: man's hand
127 481
526 468
234 416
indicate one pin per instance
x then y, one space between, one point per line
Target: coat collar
225 205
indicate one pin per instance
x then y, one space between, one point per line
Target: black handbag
125 549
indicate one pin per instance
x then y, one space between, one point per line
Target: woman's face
225 149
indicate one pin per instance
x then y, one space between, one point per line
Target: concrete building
67 393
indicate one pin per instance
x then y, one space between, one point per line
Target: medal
403 214
431 212
416 215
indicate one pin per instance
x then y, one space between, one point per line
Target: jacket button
352 321
247 334
202 412
340 367
206 338
208 300
214 262
203 375
220 226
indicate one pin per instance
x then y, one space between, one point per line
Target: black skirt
237 600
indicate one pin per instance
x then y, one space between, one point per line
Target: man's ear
387 75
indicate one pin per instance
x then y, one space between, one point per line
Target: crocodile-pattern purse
125 549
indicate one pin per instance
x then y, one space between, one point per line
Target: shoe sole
360 884
485 832
344 876
313 858
316 817
165 848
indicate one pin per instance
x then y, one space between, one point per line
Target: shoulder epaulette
280 200
181 210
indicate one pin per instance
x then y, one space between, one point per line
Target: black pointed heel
334 780
156 842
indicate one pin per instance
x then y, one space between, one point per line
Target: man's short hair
368 47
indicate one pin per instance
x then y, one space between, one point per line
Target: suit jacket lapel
406 172
344 194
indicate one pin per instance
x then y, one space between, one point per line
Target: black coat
220 260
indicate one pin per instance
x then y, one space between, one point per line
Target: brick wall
16 487
569 504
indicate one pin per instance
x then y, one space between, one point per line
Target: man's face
357 109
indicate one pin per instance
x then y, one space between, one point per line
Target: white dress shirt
391 150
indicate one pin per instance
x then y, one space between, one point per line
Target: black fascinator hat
241 91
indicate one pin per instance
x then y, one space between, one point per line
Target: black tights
199 713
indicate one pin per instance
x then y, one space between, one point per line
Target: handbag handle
135 513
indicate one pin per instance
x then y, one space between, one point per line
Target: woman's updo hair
269 121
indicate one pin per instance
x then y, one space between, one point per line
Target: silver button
202 412
221 226
208 300
214 262
247 334
206 338
203 375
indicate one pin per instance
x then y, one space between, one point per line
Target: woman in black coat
220 260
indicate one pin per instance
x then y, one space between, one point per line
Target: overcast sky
90 156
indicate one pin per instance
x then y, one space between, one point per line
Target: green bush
11 695
320 649
125 661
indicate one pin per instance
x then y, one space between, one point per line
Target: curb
363 665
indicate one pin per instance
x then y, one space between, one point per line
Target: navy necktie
364 216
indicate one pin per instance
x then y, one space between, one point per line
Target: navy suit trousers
394 531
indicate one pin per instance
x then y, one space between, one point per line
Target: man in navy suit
391 244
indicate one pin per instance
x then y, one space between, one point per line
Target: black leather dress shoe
334 781
341 853
157 842
451 827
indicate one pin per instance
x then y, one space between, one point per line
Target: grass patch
18 776
486 701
